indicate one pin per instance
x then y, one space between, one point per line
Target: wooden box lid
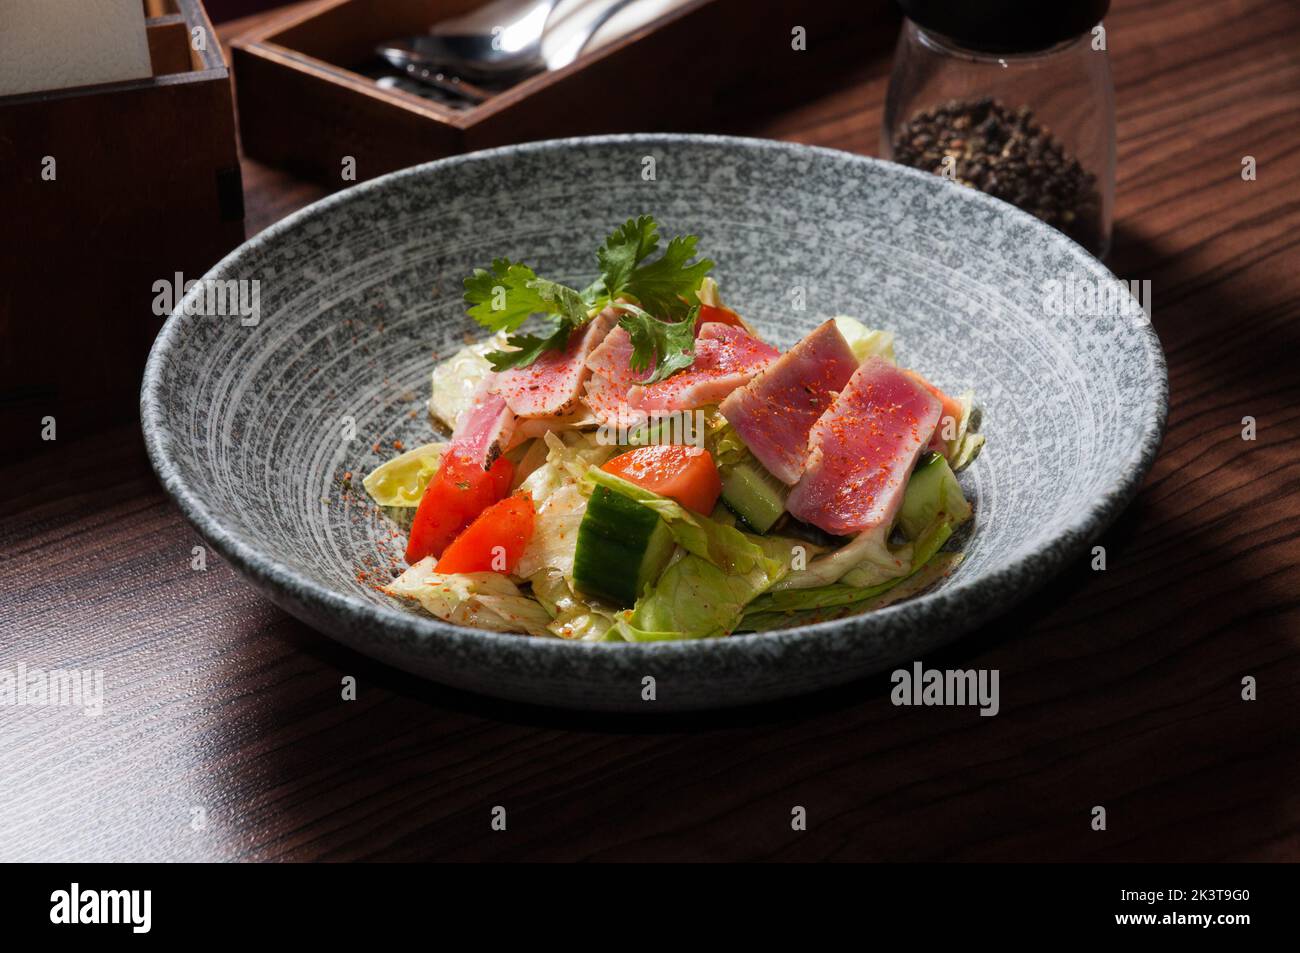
304 103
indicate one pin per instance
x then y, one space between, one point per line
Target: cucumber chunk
932 488
622 548
753 494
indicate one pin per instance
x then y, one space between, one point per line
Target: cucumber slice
622 548
931 488
753 494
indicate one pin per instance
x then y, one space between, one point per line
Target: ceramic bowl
253 421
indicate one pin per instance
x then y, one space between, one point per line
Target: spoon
498 44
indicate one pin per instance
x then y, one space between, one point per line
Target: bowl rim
1036 566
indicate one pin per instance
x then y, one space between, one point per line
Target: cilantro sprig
657 300
667 346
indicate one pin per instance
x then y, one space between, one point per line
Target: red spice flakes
398 445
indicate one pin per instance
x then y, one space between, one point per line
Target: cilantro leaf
662 326
667 346
661 285
530 347
626 247
560 300
503 298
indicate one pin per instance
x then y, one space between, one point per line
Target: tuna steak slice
726 357
551 385
608 402
863 449
775 411
484 428
611 377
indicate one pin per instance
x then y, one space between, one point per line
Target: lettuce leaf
721 440
863 341
560 498
480 600
760 617
933 495
964 447
569 455
937 507
573 617
708 293
695 599
867 556
555 532
401 481
456 380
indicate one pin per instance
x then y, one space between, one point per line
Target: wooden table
224 737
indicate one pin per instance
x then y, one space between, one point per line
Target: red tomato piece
951 405
457 494
708 313
685 474
493 542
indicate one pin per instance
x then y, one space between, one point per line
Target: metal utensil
502 51
454 85
499 43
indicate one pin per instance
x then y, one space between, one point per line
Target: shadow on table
1124 682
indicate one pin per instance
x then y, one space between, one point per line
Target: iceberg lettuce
480 600
574 618
555 532
867 557
965 446
560 498
863 341
570 454
695 599
804 606
456 380
402 480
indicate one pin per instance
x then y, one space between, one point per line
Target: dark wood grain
1119 688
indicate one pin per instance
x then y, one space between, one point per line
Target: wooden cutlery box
104 191
304 104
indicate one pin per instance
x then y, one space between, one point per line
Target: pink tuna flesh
775 411
483 429
551 385
606 389
725 358
863 449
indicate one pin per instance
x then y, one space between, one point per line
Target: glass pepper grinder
1012 97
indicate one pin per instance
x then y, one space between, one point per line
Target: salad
631 461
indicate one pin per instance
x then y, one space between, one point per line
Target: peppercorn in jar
1014 98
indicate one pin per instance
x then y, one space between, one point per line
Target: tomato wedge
493 542
709 313
457 494
951 407
685 474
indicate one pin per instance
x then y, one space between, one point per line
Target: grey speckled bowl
246 425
